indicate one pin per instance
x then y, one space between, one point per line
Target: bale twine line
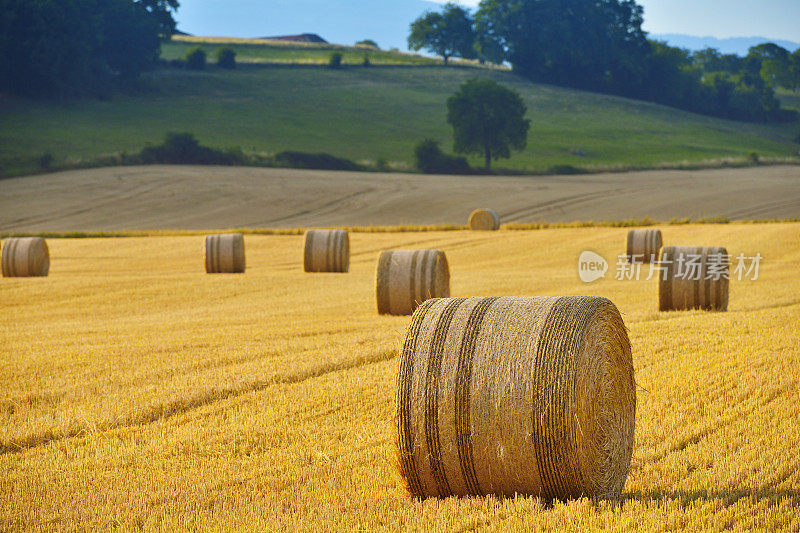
25 257
406 278
509 396
326 251
694 277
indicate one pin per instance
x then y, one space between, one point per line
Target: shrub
431 160
566 169
368 42
184 149
46 161
196 58
335 61
366 61
797 139
320 161
754 157
226 58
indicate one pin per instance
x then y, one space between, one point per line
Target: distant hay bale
693 278
643 245
504 396
327 251
406 278
25 257
225 253
484 220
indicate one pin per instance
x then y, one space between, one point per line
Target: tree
74 47
487 119
447 34
775 64
162 11
591 44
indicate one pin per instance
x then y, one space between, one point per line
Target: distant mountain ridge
732 45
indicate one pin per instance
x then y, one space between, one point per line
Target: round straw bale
484 220
532 396
693 277
327 250
643 245
25 257
225 253
406 278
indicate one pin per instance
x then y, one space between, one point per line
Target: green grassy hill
366 114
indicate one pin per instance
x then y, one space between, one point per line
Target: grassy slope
362 113
140 392
264 52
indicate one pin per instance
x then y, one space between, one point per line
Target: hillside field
170 197
139 392
372 115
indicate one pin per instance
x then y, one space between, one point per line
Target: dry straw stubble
25 257
643 245
225 253
484 220
504 396
326 251
693 277
406 278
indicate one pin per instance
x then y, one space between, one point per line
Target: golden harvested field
137 391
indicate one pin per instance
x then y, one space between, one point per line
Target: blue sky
386 21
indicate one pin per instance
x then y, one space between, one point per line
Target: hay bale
25 257
225 253
406 278
484 220
504 396
327 250
693 277
643 245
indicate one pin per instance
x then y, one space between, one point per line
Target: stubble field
140 392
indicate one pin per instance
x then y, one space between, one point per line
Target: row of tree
599 45
79 47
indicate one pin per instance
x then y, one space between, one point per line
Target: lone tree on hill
487 119
447 34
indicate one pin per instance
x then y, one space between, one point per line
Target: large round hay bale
643 245
693 277
327 250
25 257
531 396
225 253
484 220
406 278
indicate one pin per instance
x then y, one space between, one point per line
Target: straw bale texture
406 278
643 245
693 277
504 396
484 220
225 253
327 251
25 257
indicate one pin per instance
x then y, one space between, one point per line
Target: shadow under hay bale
25 257
484 220
406 278
326 251
504 396
225 253
693 277
643 245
